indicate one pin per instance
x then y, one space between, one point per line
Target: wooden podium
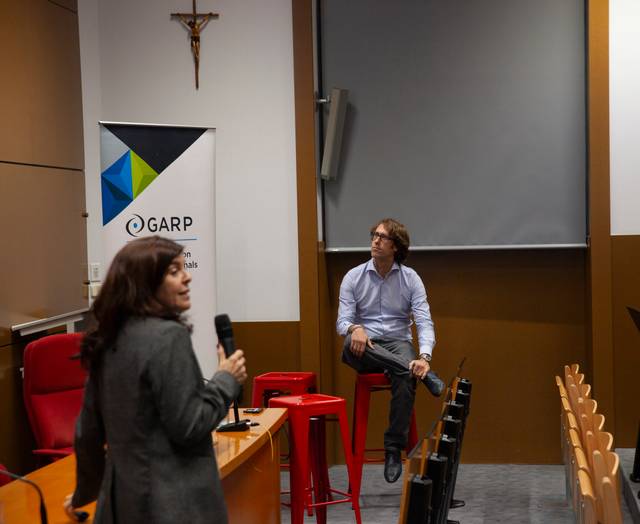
249 464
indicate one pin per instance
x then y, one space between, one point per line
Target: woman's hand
68 508
235 364
73 513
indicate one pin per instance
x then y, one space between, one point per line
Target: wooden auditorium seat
592 467
587 513
579 463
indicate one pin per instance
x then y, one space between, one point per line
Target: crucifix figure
194 23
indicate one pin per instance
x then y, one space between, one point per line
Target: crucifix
194 23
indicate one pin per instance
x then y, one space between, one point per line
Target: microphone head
223 326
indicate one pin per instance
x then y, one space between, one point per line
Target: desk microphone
43 509
81 516
225 338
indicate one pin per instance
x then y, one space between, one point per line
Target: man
377 302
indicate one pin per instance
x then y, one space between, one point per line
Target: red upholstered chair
52 389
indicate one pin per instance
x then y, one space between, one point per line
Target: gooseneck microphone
81 516
225 338
43 509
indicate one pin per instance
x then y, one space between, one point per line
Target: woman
143 438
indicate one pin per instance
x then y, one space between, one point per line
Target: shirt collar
371 267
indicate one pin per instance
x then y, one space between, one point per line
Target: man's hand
419 368
359 341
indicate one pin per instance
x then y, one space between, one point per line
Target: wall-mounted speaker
333 139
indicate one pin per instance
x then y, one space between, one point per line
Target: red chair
308 455
52 389
367 383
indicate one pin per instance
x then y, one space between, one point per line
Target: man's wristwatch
353 327
425 356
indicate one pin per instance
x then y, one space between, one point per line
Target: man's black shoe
392 465
434 383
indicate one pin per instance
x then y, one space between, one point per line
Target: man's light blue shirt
383 306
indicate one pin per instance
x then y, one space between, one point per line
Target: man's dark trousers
392 357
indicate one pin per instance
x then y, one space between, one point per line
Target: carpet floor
494 493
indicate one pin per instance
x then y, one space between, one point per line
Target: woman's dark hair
129 290
398 232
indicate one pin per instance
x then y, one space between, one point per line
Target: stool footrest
348 498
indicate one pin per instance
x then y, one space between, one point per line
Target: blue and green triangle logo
122 182
142 153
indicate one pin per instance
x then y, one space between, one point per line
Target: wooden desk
249 464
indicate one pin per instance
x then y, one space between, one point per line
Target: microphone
81 516
43 509
225 334
225 338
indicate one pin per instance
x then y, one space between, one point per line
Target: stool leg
256 395
354 481
413 433
322 464
360 421
317 446
299 466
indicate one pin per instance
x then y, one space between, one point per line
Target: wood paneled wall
43 250
626 338
41 102
268 346
16 439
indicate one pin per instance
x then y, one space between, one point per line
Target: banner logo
137 225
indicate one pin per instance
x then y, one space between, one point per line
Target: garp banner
159 180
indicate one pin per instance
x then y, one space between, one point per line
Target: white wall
137 67
624 25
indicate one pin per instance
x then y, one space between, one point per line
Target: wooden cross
194 23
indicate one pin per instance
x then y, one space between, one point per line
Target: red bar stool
367 383
281 383
308 455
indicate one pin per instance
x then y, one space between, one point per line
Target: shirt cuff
426 349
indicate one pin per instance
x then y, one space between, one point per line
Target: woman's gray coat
149 404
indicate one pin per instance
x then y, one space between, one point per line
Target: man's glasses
381 236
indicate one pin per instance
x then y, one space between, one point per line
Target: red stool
281 383
367 383
308 455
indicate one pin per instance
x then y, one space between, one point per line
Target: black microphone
225 334
225 338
